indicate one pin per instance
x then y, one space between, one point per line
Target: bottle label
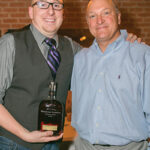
48 127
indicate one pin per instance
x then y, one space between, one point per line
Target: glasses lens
57 6
42 5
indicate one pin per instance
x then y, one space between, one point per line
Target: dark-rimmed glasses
45 5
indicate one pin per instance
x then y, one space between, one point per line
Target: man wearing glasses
25 76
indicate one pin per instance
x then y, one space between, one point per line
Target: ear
119 18
30 11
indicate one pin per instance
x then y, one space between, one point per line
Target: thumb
46 133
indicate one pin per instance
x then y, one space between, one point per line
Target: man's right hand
8 122
40 136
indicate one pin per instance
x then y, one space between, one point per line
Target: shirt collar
113 46
39 37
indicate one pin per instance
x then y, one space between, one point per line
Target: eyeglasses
45 5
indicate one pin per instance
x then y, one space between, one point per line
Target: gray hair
115 3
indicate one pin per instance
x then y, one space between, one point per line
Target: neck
47 34
103 46
103 43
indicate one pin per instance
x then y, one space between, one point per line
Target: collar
40 37
113 46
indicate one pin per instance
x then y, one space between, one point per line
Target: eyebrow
89 12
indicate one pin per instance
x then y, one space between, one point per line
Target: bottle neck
52 90
52 95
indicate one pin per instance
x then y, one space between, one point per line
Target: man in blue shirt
111 86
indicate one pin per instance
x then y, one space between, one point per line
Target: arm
75 46
131 37
11 125
6 120
146 102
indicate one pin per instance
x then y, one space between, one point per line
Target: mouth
101 27
50 20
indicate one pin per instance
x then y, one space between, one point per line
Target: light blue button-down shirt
111 93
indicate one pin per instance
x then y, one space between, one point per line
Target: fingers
132 37
47 137
54 138
139 40
46 133
40 136
129 36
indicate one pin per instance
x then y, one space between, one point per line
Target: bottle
51 112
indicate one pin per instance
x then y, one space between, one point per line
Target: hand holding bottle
40 136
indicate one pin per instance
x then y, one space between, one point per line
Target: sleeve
7 54
75 46
146 101
73 88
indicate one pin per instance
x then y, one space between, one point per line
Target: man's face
103 20
47 21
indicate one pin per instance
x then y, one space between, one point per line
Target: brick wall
135 16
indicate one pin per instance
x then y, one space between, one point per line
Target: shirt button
97 125
100 90
101 73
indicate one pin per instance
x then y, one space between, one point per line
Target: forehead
60 1
95 5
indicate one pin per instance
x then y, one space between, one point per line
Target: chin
101 37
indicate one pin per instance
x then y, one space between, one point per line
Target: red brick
3 4
18 15
17 4
10 10
135 15
10 20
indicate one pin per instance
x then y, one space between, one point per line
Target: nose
50 10
100 19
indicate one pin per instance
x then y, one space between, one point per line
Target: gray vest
31 80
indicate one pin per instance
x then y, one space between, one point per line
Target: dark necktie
53 57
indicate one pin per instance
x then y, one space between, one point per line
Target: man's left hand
131 37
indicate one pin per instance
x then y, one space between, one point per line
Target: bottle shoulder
50 103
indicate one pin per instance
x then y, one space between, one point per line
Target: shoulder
71 40
139 45
83 53
139 48
7 46
6 36
140 53
7 39
76 47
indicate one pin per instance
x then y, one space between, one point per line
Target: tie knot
50 42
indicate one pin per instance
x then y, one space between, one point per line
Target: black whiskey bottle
51 112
